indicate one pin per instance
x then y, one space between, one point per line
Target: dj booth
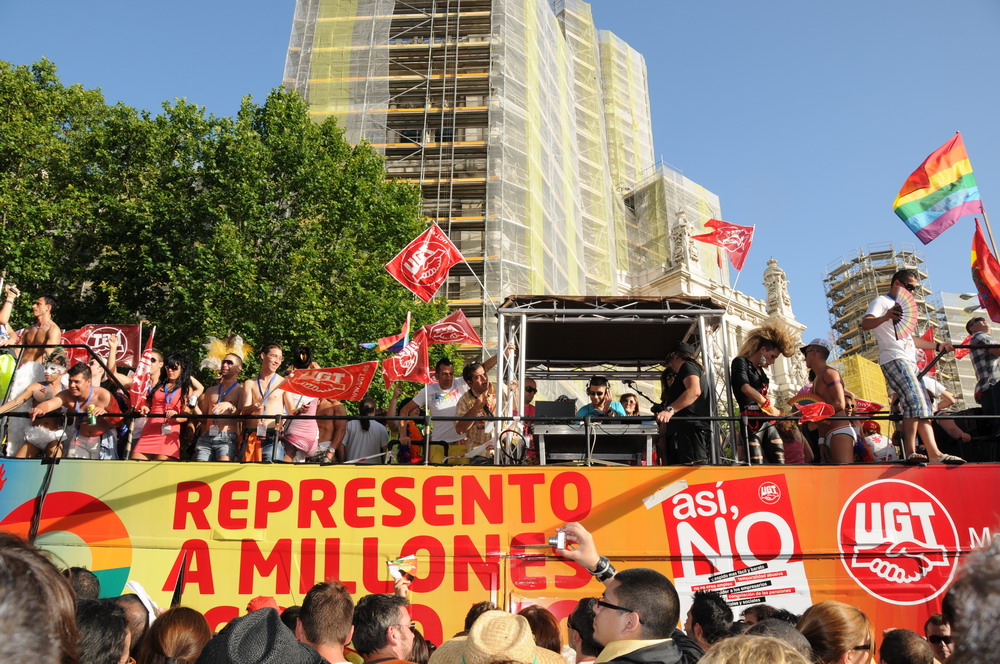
608 443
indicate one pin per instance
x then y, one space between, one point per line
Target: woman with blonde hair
748 649
750 385
178 635
838 633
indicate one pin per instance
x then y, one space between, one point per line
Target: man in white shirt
442 400
897 358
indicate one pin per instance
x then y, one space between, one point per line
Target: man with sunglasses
897 357
635 620
219 436
938 633
602 404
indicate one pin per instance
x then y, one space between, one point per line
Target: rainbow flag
940 191
394 343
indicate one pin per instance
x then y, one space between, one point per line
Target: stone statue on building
683 250
779 302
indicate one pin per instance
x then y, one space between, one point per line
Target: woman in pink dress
161 437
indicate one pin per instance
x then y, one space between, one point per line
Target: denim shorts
211 447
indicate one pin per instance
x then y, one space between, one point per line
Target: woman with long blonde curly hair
750 385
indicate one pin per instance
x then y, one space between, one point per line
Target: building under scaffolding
856 279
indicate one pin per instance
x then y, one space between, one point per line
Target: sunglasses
530 389
173 367
866 646
937 639
910 287
225 362
615 607
595 394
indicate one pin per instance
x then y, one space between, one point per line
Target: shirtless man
263 396
92 401
838 436
219 436
44 331
331 432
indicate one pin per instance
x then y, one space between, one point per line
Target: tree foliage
266 225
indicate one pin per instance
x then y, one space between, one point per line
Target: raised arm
46 407
20 398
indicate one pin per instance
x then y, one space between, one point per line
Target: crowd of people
80 412
57 617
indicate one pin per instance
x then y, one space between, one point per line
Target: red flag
452 329
349 383
863 406
96 336
963 352
986 275
924 355
733 238
422 265
410 364
140 379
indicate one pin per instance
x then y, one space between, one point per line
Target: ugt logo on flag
423 264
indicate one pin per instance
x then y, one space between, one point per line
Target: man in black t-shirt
687 438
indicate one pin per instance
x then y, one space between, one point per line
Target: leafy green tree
266 225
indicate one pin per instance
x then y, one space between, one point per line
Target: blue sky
804 117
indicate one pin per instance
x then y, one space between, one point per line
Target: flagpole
990 232
481 284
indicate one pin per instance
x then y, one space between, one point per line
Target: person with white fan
894 328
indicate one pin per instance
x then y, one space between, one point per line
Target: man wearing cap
897 357
256 638
636 617
986 362
382 629
837 437
686 396
325 621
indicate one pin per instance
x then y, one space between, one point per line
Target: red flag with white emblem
140 379
422 265
410 363
735 239
452 329
349 383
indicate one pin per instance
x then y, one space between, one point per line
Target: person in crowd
262 602
331 432
258 637
797 448
901 646
218 438
325 622
300 437
544 627
473 613
986 363
753 649
937 631
630 404
414 450
897 357
88 402
709 619
838 633
783 631
422 648
31 368
602 404
636 617
37 607
263 396
137 616
161 436
382 629
177 636
755 613
580 630
441 400
750 385
44 435
480 400
104 634
366 438
290 616
85 583
496 636
837 437
687 438
972 607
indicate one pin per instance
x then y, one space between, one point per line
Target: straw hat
495 636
